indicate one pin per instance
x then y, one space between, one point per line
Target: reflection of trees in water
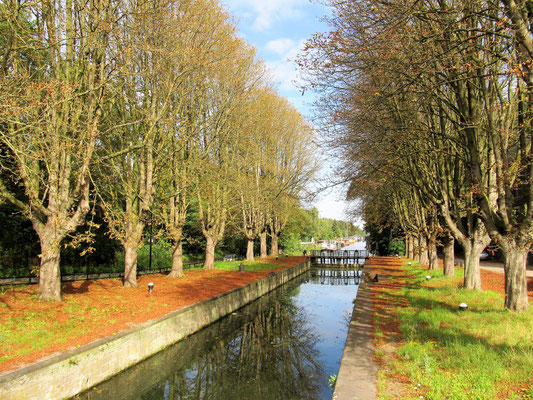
272 356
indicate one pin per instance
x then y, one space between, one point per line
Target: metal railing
342 254
88 272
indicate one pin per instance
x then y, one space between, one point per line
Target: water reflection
270 357
265 351
282 346
339 276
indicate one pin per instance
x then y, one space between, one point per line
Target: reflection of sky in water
284 346
328 308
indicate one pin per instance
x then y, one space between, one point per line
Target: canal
286 345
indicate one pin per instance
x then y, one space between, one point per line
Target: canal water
286 345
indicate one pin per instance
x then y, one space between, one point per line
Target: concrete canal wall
70 373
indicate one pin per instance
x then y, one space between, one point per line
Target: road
496 266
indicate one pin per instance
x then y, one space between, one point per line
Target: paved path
357 373
496 266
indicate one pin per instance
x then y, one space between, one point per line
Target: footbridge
338 257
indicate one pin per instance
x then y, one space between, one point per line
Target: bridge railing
344 254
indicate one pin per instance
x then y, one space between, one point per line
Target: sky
278 29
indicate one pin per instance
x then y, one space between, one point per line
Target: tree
54 81
276 161
292 164
203 28
254 185
232 79
438 87
131 157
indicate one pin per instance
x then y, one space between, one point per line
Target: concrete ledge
73 372
357 374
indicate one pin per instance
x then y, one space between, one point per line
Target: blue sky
278 29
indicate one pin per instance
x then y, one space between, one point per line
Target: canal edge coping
356 379
75 371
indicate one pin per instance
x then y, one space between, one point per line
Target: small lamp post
150 287
428 277
463 306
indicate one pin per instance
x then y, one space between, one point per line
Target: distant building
311 243
334 244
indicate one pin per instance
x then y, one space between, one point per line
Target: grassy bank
31 329
259 265
441 352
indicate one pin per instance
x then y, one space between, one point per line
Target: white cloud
280 46
283 68
267 12
285 74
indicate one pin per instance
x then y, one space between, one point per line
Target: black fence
27 273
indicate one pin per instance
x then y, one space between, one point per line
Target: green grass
31 333
248 266
449 354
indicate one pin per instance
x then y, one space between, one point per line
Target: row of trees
305 224
431 105
313 226
142 108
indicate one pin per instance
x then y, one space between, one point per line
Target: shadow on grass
437 320
481 353
83 288
73 288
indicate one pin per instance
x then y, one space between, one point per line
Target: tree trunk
250 250
515 280
130 265
263 241
49 272
274 250
209 263
472 278
411 253
449 256
177 260
424 258
432 252
416 249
